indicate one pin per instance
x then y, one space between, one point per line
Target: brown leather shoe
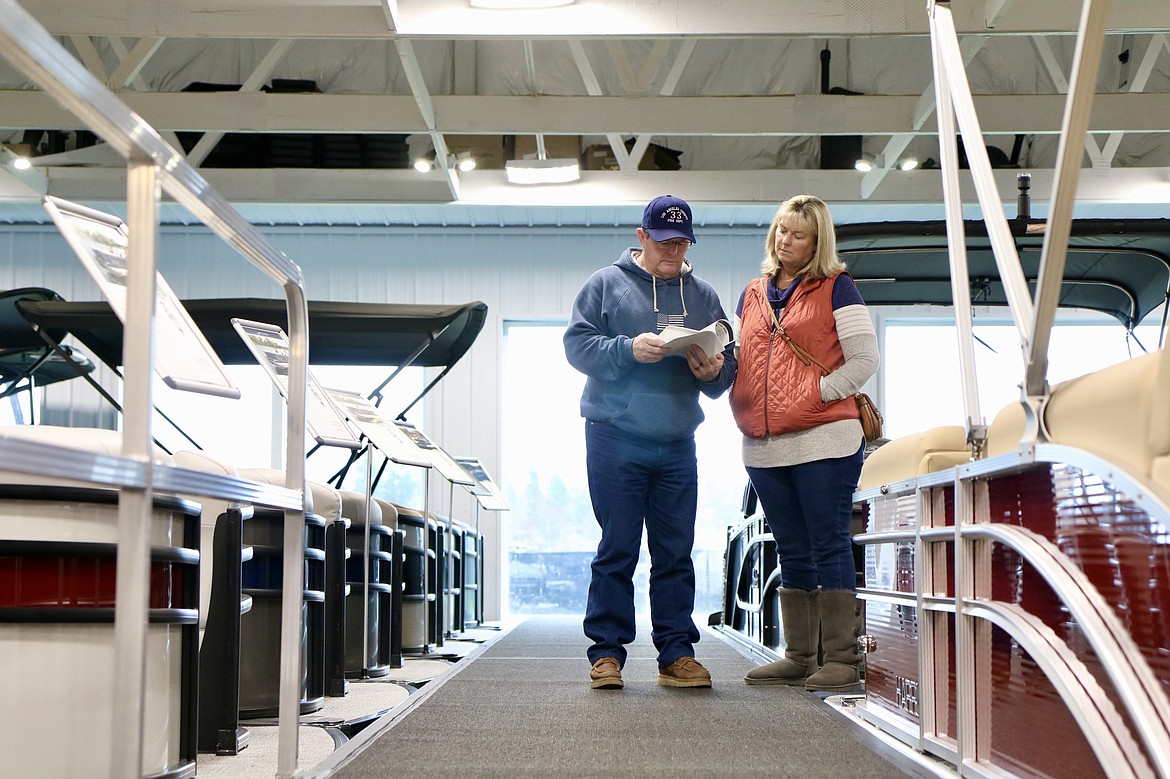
606 674
684 672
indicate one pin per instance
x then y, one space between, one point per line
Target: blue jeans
635 481
808 508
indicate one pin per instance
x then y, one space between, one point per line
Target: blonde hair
806 214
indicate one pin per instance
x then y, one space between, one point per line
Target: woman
806 346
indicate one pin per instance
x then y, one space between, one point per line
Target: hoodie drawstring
682 298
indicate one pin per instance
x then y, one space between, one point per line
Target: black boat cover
1117 267
24 354
379 334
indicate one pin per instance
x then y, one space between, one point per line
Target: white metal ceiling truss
258 77
426 106
1101 156
641 66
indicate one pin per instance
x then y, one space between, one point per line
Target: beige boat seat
320 499
1118 413
213 509
87 439
914 455
369 621
263 579
418 625
353 506
1160 426
1006 430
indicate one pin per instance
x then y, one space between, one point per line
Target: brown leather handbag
871 418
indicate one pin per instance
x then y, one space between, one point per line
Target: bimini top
380 334
24 355
1117 267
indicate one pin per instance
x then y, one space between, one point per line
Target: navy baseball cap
668 217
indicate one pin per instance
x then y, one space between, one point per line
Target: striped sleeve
853 320
859 347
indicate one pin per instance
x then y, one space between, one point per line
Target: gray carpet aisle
523 708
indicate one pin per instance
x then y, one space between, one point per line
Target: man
641 406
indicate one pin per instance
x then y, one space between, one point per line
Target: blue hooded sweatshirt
658 401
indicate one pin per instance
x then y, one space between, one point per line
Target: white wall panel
520 273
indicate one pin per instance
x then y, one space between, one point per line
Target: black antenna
1024 200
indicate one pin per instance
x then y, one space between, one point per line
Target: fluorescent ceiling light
17 161
518 4
465 162
559 171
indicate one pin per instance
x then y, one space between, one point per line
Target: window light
556 171
518 4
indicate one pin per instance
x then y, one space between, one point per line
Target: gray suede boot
839 629
801 614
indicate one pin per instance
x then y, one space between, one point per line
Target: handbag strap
801 354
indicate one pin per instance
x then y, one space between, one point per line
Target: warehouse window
552 532
921 393
249 432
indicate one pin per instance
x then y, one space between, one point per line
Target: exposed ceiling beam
132 62
255 80
426 110
593 87
533 88
584 19
642 142
662 35
390 9
1056 73
897 144
1138 84
773 116
88 54
302 185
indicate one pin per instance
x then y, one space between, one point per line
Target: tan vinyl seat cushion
389 512
903 458
1109 413
353 507
320 499
1160 425
1160 474
1006 430
86 439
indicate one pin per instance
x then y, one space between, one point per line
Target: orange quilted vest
774 392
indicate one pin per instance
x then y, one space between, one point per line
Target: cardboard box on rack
601 157
488 150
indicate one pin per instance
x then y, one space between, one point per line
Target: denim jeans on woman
808 508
